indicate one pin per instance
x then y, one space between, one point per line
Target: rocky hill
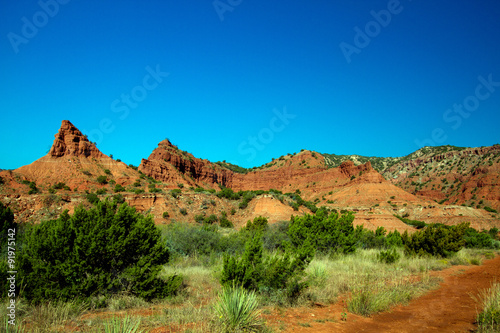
446 174
172 184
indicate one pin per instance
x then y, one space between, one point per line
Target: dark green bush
102 180
175 192
228 194
200 218
436 239
183 211
101 251
393 239
368 239
152 189
211 219
390 256
92 198
6 220
480 240
276 236
107 171
119 188
326 233
101 191
165 215
489 209
118 198
33 188
225 223
59 186
279 273
187 240
259 224
413 223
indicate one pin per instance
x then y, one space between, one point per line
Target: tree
6 220
100 251
436 239
325 232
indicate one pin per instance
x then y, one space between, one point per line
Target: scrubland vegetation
110 269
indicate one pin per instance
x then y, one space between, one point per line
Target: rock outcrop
74 160
69 141
170 165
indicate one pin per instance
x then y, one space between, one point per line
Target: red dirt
451 308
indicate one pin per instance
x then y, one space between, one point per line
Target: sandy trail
451 308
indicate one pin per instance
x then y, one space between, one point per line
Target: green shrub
259 224
102 180
228 194
200 218
436 240
187 240
393 239
33 188
59 186
489 209
276 236
327 233
279 273
100 251
175 192
101 191
413 223
479 240
6 223
118 198
389 256
92 198
107 171
152 189
165 215
183 211
119 188
224 222
368 239
211 219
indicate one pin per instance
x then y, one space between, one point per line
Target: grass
122 325
374 286
488 319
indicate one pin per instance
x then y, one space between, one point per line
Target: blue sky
246 81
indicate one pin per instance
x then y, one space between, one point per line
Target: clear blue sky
249 80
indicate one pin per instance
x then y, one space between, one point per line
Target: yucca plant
122 325
237 310
489 319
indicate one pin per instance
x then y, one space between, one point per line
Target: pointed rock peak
167 143
69 141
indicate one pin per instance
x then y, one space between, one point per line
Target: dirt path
450 308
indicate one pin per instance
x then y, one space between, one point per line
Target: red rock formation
73 159
169 164
69 141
